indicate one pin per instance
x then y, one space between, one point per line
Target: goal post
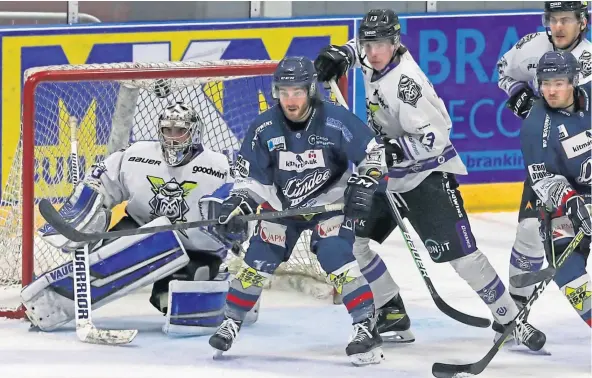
116 104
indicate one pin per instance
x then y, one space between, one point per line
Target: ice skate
365 344
222 340
393 323
524 334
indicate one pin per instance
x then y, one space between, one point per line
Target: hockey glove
230 226
358 196
394 152
521 102
332 62
578 214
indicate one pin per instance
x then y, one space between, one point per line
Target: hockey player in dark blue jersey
297 154
556 142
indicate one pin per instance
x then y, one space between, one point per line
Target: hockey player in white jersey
566 24
167 181
405 110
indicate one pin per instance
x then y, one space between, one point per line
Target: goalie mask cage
113 105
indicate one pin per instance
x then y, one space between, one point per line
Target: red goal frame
97 74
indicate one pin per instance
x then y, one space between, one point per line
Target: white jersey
152 188
518 66
401 103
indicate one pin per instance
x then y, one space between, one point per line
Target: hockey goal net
112 105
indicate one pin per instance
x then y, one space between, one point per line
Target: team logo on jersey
409 91
585 61
527 38
169 198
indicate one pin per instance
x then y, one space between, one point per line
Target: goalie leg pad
116 269
197 308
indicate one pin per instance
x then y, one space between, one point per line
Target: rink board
450 48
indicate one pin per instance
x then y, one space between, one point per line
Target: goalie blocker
189 287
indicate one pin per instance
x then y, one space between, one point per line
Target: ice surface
297 336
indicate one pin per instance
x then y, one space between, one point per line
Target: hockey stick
52 217
440 303
85 329
442 370
75 167
531 278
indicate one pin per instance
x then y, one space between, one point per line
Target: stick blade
51 216
93 335
441 370
531 278
460 316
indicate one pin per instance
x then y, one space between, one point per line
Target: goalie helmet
179 133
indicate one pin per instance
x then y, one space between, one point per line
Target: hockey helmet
177 149
380 24
558 65
294 71
580 8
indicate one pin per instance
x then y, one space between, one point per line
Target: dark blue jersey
557 149
309 167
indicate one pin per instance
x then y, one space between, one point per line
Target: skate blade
218 354
371 357
398 337
521 348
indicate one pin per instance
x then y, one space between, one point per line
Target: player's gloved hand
521 102
579 214
393 151
229 225
358 196
332 62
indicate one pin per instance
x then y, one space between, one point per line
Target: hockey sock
482 277
527 254
374 270
357 296
575 284
245 290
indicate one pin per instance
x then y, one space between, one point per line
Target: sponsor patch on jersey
241 167
537 172
310 159
409 91
562 131
273 233
275 144
330 227
209 171
338 125
546 128
298 188
578 144
258 131
319 141
138 159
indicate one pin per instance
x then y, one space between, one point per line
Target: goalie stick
440 303
85 329
51 215
442 370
